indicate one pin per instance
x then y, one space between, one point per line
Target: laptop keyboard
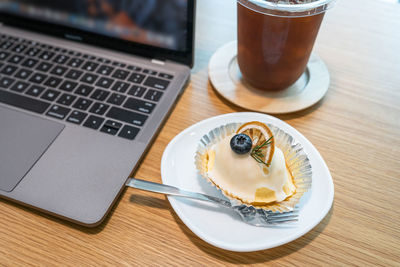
108 96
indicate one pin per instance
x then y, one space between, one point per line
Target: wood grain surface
356 128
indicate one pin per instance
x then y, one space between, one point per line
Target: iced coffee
275 40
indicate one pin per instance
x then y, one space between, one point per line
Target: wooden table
356 128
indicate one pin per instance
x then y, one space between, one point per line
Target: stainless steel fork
249 214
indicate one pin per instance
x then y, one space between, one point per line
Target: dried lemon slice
263 141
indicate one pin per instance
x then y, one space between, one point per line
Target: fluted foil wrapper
296 160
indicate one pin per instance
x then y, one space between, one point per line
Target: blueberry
241 143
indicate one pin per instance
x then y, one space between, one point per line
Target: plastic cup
275 39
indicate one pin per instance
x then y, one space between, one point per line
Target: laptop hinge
158 62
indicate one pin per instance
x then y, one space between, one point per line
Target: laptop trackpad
23 139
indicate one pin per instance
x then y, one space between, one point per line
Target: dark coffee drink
274 46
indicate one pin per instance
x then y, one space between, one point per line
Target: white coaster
227 80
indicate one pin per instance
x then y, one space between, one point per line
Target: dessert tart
255 164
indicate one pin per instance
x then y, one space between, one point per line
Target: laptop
84 88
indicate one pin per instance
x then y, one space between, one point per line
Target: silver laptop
84 88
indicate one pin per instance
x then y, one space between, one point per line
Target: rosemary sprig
257 154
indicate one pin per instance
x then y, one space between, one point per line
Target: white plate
222 227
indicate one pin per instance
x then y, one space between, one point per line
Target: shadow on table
229 256
258 256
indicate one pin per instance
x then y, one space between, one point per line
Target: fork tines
285 217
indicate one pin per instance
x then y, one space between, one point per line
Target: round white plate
221 227
225 76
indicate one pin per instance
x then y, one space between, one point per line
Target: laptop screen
160 23
163 26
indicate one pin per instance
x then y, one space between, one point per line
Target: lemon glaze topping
243 177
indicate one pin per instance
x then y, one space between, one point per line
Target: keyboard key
76 117
113 124
38 78
84 90
53 82
15 59
46 55
68 86
3 55
58 112
137 91
134 68
82 103
103 60
105 70
23 74
99 108
108 130
126 116
139 105
29 63
111 127
136 78
5 82
6 44
33 51
93 122
120 87
19 48
90 57
120 74
104 82
9 70
116 99
118 64
61 59
153 95
89 78
129 132
66 99
156 83
50 95
75 62
35 90
100 95
19 86
58 70
90 66
74 74
166 76
44 66
23 102
151 72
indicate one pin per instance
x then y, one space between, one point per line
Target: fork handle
174 191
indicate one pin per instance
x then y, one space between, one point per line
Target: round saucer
227 80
